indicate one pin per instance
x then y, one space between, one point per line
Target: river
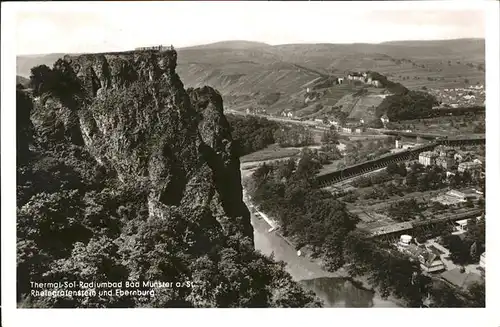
333 290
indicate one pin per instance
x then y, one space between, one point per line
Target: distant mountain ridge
247 73
235 44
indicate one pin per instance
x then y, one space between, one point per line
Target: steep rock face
135 118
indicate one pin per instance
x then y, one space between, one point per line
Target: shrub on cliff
61 81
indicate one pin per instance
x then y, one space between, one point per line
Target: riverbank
335 289
304 268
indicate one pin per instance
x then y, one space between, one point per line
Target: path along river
333 290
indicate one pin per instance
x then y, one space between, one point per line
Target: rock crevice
134 116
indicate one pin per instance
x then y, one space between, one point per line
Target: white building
482 260
470 166
405 240
334 122
408 146
460 226
427 158
348 130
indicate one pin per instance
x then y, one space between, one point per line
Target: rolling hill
22 80
248 73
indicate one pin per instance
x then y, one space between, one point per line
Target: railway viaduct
411 154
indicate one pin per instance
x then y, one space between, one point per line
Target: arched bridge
452 140
411 154
471 139
367 166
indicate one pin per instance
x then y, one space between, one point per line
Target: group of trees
60 81
410 105
396 179
405 210
252 133
329 150
359 152
393 273
372 179
294 135
338 115
467 248
421 179
396 169
388 270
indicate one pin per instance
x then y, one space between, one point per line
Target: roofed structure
391 228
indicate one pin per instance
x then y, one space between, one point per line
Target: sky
94 27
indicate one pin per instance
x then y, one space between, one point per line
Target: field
271 152
365 107
372 212
377 205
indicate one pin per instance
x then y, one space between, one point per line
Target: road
310 123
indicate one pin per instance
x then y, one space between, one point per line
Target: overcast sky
65 27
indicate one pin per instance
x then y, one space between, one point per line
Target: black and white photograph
187 155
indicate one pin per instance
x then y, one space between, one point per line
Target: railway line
343 174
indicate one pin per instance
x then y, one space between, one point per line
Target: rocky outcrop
134 116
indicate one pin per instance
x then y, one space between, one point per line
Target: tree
41 79
392 168
330 137
331 151
477 292
460 250
307 165
445 297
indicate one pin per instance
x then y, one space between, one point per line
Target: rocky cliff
135 117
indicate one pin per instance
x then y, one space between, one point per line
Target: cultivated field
271 152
